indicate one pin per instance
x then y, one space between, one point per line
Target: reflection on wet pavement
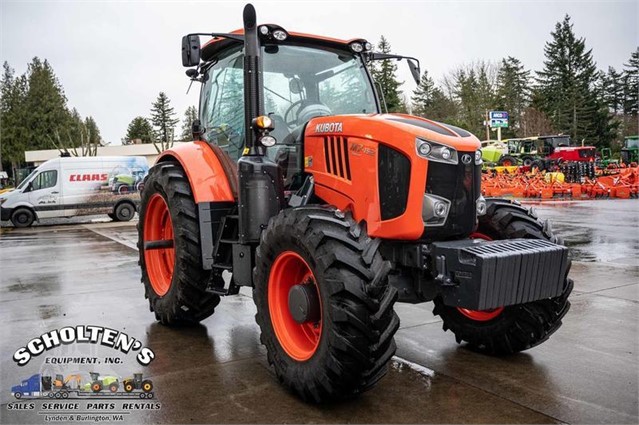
217 371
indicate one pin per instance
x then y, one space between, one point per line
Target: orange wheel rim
299 341
481 315
158 227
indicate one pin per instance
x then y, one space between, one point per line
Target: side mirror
197 130
190 50
29 187
414 70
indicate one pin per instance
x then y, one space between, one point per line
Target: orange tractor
297 186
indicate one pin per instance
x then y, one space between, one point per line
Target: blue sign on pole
498 119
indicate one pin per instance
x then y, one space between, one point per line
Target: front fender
209 170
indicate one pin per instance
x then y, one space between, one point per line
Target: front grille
461 185
336 157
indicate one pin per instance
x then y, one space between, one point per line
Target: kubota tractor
299 187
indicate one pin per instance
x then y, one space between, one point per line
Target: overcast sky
113 58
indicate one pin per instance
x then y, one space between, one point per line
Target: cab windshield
299 82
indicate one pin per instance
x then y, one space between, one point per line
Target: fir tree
566 86
190 115
429 101
383 72
139 128
423 95
46 104
164 121
12 124
513 93
631 76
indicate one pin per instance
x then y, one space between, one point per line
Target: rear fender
209 170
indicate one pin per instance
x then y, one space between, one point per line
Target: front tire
513 328
22 217
345 348
174 280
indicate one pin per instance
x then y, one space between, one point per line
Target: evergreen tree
566 87
429 101
13 131
190 115
139 128
383 72
164 121
92 132
46 104
513 93
631 75
423 95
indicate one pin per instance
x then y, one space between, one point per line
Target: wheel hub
303 303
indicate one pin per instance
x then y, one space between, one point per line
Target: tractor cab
303 77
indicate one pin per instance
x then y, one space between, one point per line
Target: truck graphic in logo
84 385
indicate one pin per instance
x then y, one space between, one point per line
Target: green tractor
98 383
630 150
605 159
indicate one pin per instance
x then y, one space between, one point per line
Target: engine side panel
343 155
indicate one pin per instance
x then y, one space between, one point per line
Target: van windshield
24 182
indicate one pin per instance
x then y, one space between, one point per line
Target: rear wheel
515 328
538 165
96 387
174 280
124 211
113 387
147 386
22 217
507 161
527 161
324 305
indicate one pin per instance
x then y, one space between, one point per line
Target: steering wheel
293 121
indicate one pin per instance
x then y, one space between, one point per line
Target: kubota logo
329 127
88 177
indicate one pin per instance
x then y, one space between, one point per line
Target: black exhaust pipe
252 78
261 194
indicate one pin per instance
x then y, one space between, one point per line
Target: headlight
436 152
481 205
478 159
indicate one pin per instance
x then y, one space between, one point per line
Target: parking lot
55 275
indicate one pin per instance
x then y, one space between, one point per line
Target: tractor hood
396 130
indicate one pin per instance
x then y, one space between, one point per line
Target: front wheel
510 329
172 274
22 217
324 305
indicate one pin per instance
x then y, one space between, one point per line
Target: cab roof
215 45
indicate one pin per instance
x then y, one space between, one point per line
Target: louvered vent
336 156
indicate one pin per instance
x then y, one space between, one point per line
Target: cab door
45 194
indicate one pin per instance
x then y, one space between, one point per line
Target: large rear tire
345 348
513 328
174 280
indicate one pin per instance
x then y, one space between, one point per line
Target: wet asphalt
52 276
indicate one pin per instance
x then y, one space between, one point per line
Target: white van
66 187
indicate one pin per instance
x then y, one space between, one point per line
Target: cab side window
222 104
44 180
